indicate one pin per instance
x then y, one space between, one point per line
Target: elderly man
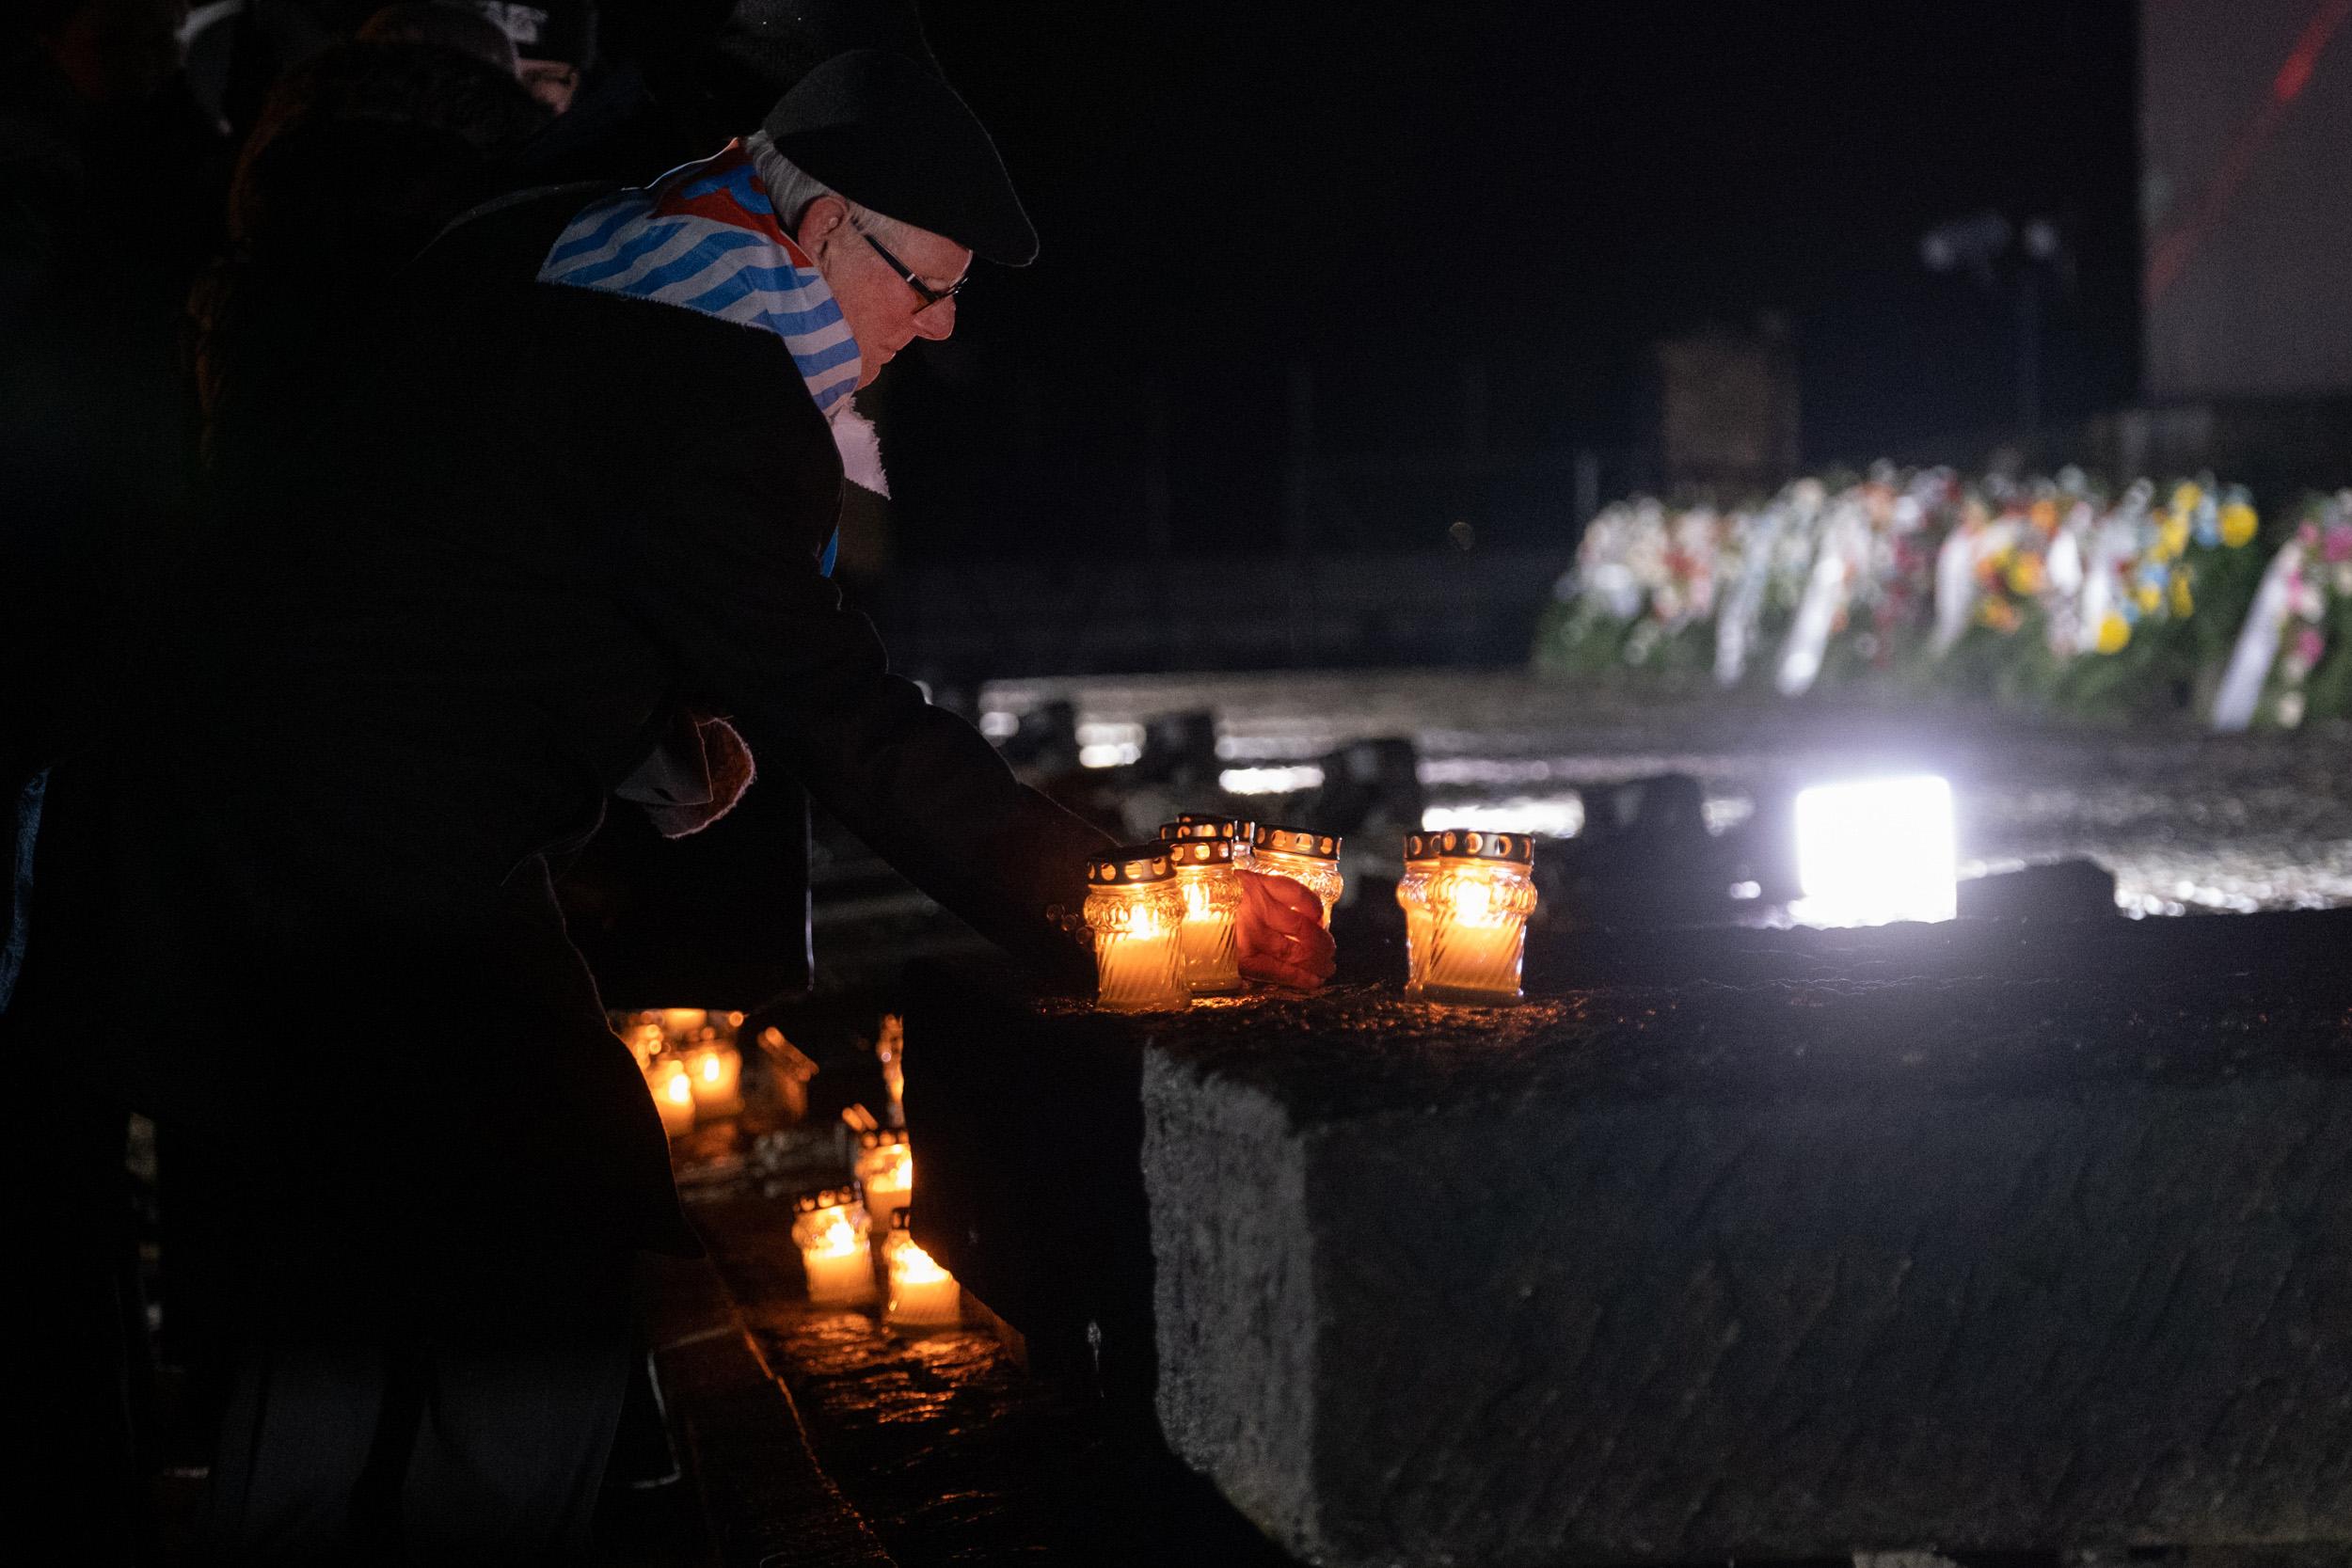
314 861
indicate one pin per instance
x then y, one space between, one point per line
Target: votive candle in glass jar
1204 824
673 1094
830 1227
1412 895
885 1172
922 1294
1306 857
1481 890
716 1069
1137 912
1204 869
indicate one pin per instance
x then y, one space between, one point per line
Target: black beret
889 135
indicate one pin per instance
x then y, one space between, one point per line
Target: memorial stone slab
1754 1244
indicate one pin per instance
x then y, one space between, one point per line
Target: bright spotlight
1875 850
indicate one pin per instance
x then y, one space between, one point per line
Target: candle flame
711 1068
837 1238
889 1169
834 1231
911 1265
677 1089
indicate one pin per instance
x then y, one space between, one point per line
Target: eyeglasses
924 292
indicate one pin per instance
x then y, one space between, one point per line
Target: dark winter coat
311 878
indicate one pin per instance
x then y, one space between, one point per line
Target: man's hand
1281 934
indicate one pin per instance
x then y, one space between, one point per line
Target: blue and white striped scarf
706 237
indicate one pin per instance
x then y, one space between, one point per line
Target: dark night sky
1224 188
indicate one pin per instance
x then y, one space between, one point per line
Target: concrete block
1883 1241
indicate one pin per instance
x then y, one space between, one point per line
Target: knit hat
546 29
888 134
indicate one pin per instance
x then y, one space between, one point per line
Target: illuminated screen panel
2246 147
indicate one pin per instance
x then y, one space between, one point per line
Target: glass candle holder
830 1227
673 1095
922 1294
1137 912
715 1069
1412 895
1306 857
886 1173
1199 824
1480 890
1212 888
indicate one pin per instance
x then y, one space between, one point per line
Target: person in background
671 79
266 40
107 176
448 25
555 44
362 154
108 183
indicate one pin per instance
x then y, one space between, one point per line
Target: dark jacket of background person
108 182
363 153
678 78
321 852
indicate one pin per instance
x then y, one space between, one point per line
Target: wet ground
945 1441
2188 821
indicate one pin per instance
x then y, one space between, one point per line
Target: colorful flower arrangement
2048 591
1646 576
2293 660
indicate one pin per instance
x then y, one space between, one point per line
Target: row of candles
836 1228
1164 916
694 1070
834 1231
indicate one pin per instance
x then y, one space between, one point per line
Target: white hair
791 188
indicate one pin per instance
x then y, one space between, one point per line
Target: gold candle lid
1193 852
1200 824
1471 844
1136 865
1295 840
823 1198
